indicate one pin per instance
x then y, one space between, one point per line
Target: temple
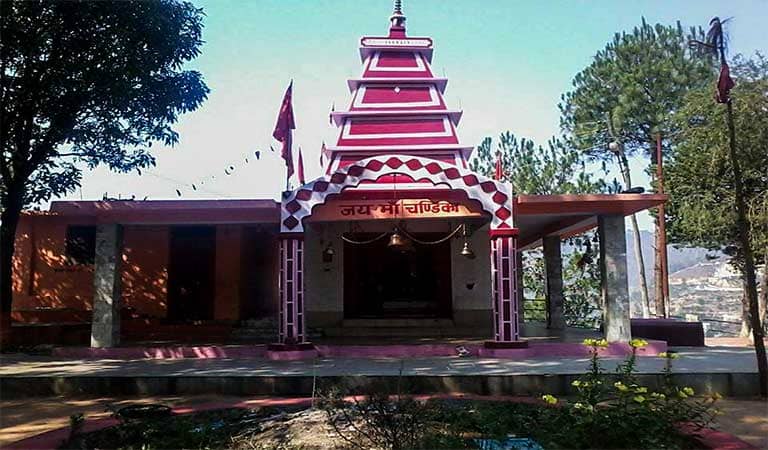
398 238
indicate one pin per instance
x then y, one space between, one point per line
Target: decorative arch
495 197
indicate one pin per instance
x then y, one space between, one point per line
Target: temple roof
397 104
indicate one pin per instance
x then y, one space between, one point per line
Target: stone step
397 323
403 331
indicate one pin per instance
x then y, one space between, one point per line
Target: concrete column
520 289
292 323
553 266
105 324
613 273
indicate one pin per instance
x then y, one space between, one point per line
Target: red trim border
503 232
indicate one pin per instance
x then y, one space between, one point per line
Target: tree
714 203
532 169
626 95
556 169
85 84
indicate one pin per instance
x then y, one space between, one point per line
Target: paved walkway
692 360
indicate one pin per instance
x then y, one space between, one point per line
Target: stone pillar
292 327
613 273
105 324
553 266
506 326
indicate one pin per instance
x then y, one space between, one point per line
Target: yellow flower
620 386
641 390
658 395
682 394
582 407
576 383
638 343
716 396
688 390
639 398
595 342
549 399
663 355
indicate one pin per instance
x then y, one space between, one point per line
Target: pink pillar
292 330
504 287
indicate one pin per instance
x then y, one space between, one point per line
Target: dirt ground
745 418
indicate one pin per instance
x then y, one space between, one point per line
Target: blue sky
507 62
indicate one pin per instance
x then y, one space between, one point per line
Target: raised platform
675 332
727 370
472 349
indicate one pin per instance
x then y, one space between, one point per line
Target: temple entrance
191 273
383 283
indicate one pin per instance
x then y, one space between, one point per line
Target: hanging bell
467 252
397 242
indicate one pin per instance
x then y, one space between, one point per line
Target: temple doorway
380 282
191 273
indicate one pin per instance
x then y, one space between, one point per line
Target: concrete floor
747 419
692 360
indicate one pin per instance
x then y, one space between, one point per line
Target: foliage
208 429
700 178
382 420
556 169
533 169
84 84
639 78
581 284
617 412
91 83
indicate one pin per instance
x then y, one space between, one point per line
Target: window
80 247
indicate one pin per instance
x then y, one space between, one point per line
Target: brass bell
467 252
397 242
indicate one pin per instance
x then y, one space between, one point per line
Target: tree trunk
742 223
746 327
763 300
645 301
9 220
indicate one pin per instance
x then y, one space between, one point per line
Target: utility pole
662 307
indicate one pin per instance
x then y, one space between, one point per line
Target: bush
617 412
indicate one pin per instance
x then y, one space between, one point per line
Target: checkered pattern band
495 197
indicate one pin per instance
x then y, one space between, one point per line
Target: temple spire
397 20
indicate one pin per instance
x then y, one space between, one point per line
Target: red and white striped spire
397 104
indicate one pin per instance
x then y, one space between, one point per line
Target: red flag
724 84
301 169
283 129
499 168
322 151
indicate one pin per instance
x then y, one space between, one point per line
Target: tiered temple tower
397 104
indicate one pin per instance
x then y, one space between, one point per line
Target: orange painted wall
145 269
42 276
48 289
